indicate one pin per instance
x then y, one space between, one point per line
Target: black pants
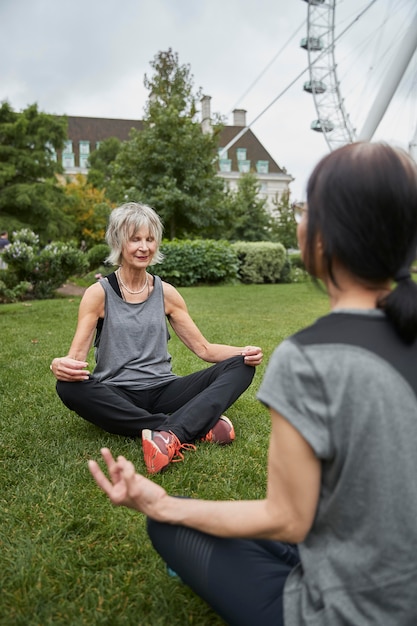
242 580
189 406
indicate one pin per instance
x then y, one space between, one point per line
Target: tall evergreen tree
251 220
170 164
284 224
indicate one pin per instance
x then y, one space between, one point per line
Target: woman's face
139 249
317 268
302 231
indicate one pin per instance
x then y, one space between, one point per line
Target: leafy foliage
100 163
248 217
192 262
29 191
90 210
170 164
44 269
97 255
284 224
260 262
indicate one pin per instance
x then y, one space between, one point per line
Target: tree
89 209
170 164
100 162
251 221
284 224
30 195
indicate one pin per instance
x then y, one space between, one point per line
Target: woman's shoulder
94 292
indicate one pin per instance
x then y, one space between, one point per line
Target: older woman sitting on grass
133 390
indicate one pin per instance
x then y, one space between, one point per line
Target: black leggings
242 580
187 405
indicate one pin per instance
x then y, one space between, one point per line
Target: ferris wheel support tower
390 83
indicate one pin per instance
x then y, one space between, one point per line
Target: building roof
95 129
255 150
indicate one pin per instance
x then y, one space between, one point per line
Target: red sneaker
160 448
222 432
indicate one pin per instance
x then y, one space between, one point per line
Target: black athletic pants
242 580
189 406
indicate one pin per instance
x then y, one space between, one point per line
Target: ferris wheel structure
324 84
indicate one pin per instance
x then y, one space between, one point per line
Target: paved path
68 289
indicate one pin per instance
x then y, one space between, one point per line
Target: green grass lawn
67 556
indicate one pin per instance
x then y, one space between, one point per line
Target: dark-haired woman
334 541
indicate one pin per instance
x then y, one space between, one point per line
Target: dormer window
244 166
225 165
262 167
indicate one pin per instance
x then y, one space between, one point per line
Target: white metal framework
332 118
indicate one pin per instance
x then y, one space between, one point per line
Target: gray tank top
132 347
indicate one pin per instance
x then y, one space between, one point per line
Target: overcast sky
89 57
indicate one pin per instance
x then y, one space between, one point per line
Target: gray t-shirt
132 347
348 385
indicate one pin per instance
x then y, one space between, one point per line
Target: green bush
260 262
97 255
45 270
200 261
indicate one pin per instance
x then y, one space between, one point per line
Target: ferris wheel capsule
322 126
314 86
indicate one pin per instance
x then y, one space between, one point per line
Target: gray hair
124 222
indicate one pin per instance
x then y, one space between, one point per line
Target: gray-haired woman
133 390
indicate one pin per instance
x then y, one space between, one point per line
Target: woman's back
349 385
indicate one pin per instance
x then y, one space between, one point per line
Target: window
225 165
84 161
98 144
68 160
262 167
222 153
241 154
68 155
52 151
84 147
244 166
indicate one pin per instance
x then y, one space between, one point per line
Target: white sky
89 57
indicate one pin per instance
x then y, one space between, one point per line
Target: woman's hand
253 355
126 487
69 370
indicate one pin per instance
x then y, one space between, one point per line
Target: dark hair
362 202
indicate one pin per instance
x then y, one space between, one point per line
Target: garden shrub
199 261
45 270
97 255
260 262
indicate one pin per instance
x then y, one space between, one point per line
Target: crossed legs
242 580
189 406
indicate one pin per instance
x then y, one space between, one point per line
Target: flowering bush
44 270
26 236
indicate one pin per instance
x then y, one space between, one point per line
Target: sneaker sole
155 460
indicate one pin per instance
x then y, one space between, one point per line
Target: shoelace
176 446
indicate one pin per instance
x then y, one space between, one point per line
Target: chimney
206 115
239 117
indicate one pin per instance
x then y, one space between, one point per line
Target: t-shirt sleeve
293 388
